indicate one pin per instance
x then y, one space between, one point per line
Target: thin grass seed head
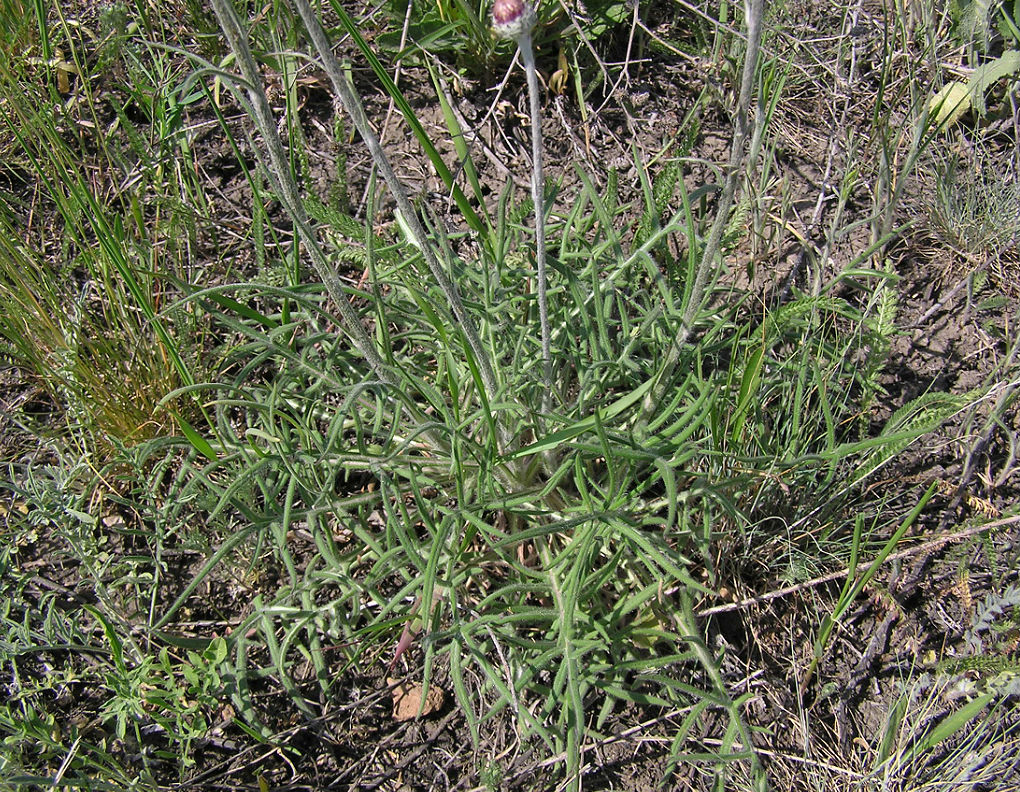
513 18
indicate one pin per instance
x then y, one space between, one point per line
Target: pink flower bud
512 18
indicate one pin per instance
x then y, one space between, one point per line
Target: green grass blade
469 214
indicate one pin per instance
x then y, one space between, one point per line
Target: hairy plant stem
538 199
288 193
287 190
352 104
689 625
753 10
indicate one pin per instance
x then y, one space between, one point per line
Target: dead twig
927 547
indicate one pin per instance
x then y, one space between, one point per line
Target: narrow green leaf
230 304
951 724
198 442
748 391
561 436
457 136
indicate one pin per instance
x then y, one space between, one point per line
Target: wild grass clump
972 210
83 276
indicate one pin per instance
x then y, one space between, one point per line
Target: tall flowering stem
515 19
289 195
707 270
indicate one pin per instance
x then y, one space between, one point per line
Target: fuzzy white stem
538 198
354 108
287 190
753 11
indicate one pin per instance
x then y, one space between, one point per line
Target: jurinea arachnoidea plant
511 18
